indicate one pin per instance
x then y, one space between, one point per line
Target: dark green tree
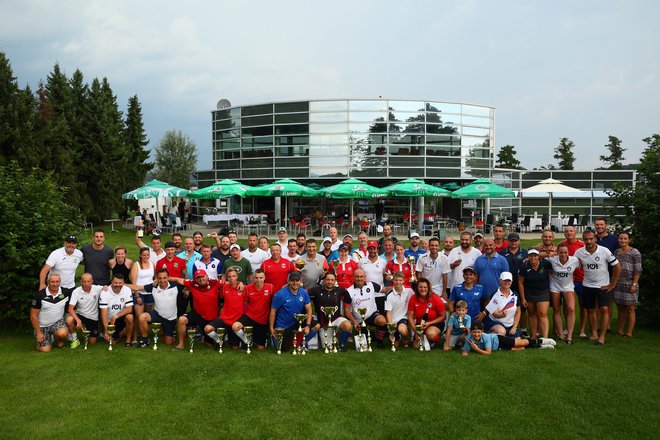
136 140
176 159
564 154
615 158
506 158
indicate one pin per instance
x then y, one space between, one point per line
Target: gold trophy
248 336
299 349
85 334
420 333
300 264
461 322
329 338
413 275
391 329
191 336
221 334
279 336
362 311
155 329
110 331
335 266
388 275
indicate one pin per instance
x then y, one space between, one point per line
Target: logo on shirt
300 299
597 258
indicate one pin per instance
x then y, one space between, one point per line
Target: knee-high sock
213 335
343 337
241 334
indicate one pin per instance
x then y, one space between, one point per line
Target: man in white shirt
47 315
434 266
207 263
292 250
461 257
374 266
116 305
334 239
396 307
156 252
597 284
363 294
282 239
254 254
63 261
84 310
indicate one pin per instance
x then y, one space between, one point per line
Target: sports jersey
259 302
277 273
51 307
562 277
155 258
363 297
242 266
175 267
190 261
287 304
434 304
86 303
115 302
535 281
333 255
358 254
345 273
327 298
410 252
212 268
233 307
471 296
165 299
374 270
397 303
504 245
65 265
467 259
255 258
487 341
395 266
504 303
515 262
433 269
313 270
578 275
488 270
205 299
455 325
596 273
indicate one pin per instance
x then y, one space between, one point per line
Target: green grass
579 391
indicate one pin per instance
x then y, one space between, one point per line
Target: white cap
533 251
506 276
327 239
414 234
234 246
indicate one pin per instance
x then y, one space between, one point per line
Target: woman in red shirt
428 309
400 264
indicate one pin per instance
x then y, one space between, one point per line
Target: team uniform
321 297
165 305
433 269
255 258
231 311
473 297
51 312
345 272
596 274
428 309
176 267
395 266
578 274
212 268
115 303
562 276
258 309
87 307
313 270
205 302
277 273
374 270
65 265
358 254
397 304
488 270
536 282
467 259
221 257
364 297
456 333
503 303
410 252
287 304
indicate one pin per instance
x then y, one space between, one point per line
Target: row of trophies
363 339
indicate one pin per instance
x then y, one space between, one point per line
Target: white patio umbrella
549 187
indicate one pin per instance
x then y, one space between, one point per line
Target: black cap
170 244
513 236
294 276
71 239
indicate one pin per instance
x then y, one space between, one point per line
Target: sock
380 333
534 343
213 335
312 334
343 337
74 336
240 334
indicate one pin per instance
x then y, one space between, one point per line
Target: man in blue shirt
488 268
414 249
468 291
288 301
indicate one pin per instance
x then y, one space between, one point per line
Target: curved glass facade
366 139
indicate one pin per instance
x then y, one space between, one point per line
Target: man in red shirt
344 271
258 296
578 276
276 268
176 267
231 311
498 238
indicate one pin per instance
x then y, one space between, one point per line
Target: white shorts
337 322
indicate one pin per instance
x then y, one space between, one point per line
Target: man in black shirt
327 295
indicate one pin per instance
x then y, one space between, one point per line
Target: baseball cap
327 239
348 235
533 251
71 239
372 244
199 273
294 276
468 269
170 244
281 229
506 276
234 246
343 247
479 234
513 236
414 234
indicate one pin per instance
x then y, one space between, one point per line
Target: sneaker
143 343
552 347
583 335
75 344
547 341
342 348
524 334
565 333
569 342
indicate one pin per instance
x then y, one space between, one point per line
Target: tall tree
176 159
615 158
136 140
506 158
564 154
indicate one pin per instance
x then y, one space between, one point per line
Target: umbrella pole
410 221
351 201
550 209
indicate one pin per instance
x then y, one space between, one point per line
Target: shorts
579 288
372 318
506 342
168 325
120 324
147 299
456 339
489 323
536 297
90 324
49 333
399 322
234 340
195 320
258 330
338 322
287 338
593 296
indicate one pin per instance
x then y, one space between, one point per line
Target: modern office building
382 141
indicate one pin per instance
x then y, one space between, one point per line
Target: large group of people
482 295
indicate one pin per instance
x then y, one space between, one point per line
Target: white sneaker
565 333
583 335
547 346
548 341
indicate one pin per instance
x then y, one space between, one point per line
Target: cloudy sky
577 69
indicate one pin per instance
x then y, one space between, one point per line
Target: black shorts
593 297
506 342
288 337
195 320
371 320
91 325
168 326
120 324
234 340
259 331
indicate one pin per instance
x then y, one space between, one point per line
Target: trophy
335 266
221 334
191 336
388 275
110 331
279 335
155 328
329 339
300 264
391 328
299 349
362 311
461 322
85 334
420 333
413 275
248 336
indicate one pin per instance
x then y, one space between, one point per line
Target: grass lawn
578 391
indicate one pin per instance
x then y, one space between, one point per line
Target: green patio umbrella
155 189
353 189
415 188
283 188
221 190
483 189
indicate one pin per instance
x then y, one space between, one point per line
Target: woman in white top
561 286
142 274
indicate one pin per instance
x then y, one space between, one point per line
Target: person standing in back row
97 256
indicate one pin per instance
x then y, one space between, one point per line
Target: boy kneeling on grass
458 326
485 343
